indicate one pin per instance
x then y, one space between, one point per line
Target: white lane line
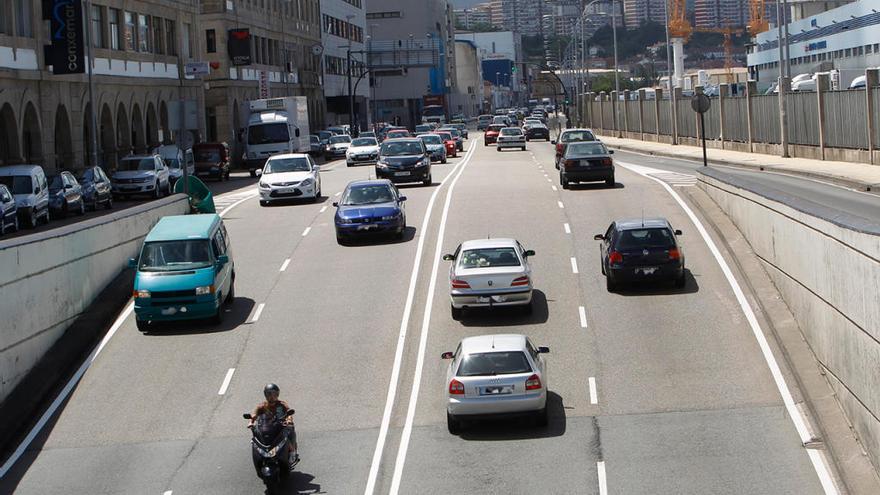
284 265
423 344
167 493
603 482
323 209
574 265
560 204
258 312
794 413
401 338
338 193
594 399
233 205
226 381
548 179
306 232
567 228
582 313
554 188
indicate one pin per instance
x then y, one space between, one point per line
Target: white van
173 158
31 190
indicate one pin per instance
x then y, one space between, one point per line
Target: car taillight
606 161
674 254
533 383
520 281
615 257
460 284
559 148
457 388
570 163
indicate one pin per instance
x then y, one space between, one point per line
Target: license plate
169 311
366 227
497 390
401 174
363 157
287 190
649 270
483 299
203 173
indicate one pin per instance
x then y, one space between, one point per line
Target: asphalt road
684 400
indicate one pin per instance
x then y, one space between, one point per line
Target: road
655 391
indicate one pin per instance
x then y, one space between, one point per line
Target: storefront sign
239 44
66 53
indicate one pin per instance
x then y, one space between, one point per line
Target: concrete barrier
48 278
827 269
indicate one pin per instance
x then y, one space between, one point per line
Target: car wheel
32 220
485 143
456 312
157 193
230 297
217 319
498 149
681 281
523 148
428 181
2 226
62 213
610 283
109 203
453 424
610 182
563 181
543 417
527 309
143 326
82 208
168 188
264 203
443 160
341 240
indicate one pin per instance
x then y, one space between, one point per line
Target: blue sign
818 45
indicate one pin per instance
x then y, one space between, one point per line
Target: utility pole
669 71
93 121
782 84
616 68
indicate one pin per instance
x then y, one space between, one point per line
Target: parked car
212 160
404 160
495 375
586 162
491 135
289 176
8 211
174 159
65 195
641 249
196 250
30 189
362 150
337 147
436 147
141 174
369 207
571 136
96 188
511 137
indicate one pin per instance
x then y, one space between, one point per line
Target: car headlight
381 164
345 220
307 183
204 290
264 185
142 294
426 161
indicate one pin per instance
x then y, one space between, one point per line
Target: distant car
435 146
586 162
404 160
491 135
362 150
65 195
456 136
486 273
141 174
315 147
423 128
289 176
369 207
325 136
495 375
483 122
30 190
638 250
339 130
337 146
8 211
501 119
511 137
571 136
397 133
212 160
96 188
367 134
449 142
536 130
462 128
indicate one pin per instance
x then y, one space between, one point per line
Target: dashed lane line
603 481
226 380
574 265
567 228
306 232
582 313
559 203
284 265
258 312
594 397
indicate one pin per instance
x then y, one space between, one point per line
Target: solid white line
794 413
167 493
233 205
603 482
554 188
62 396
258 312
574 265
226 381
284 265
594 399
401 338
567 228
323 209
306 232
582 312
560 204
423 344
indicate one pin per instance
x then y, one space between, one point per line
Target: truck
434 109
274 125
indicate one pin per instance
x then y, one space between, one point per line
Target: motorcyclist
277 409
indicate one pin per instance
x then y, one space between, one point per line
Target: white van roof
20 169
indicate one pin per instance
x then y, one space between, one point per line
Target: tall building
721 13
139 48
523 16
637 12
469 18
343 24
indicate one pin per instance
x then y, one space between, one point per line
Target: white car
289 176
337 147
141 174
511 137
362 150
495 375
486 273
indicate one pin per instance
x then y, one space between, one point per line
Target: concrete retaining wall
47 279
829 276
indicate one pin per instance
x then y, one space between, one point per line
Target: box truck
274 125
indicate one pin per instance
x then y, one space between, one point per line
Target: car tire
217 319
264 203
453 424
428 181
230 297
443 160
32 220
681 281
341 240
498 149
542 419
563 181
82 208
109 203
523 148
15 224
485 143
456 312
143 326
157 193
2 226
610 182
610 283
168 188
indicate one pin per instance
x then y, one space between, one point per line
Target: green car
185 271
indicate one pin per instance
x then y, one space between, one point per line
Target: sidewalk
860 176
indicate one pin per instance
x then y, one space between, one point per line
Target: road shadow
234 315
508 316
419 185
298 483
409 233
275 203
589 186
519 428
659 287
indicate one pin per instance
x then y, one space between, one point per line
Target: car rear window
494 363
585 149
510 132
489 257
570 136
642 238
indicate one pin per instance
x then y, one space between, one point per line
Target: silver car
495 375
511 137
488 273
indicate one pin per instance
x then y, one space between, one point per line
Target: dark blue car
370 207
8 211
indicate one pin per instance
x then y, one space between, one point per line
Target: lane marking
567 228
574 265
323 209
554 188
548 180
594 399
423 344
233 205
284 265
794 413
306 232
338 193
603 481
582 313
226 381
401 338
167 493
258 312
560 204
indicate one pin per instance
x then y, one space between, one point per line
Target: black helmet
271 387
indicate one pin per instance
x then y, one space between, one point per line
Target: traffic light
513 69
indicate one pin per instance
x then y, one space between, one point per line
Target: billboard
239 45
66 54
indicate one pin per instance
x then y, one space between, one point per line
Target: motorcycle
270 449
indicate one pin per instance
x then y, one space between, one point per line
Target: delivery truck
274 125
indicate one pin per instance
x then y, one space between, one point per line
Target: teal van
184 272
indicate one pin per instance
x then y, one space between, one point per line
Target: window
113 18
211 41
170 40
158 38
128 32
98 26
384 15
144 45
186 41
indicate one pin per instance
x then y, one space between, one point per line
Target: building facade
721 13
637 12
469 18
467 99
503 64
139 48
343 28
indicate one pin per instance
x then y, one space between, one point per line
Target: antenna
643 216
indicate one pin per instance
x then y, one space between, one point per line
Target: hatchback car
586 162
96 188
486 273
422 128
65 195
397 134
289 176
491 134
456 136
8 211
483 122
638 250
404 160
362 150
536 130
435 146
370 207
511 137
337 147
449 143
144 174
571 136
495 375
212 160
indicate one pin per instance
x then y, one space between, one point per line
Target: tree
630 42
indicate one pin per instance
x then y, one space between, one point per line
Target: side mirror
448 257
529 252
132 262
447 355
259 172
543 350
222 259
599 237
610 152
677 232
246 416
335 204
290 412
36 190
68 186
402 199
316 168
553 142
296 132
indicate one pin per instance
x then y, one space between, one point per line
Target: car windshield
423 128
281 165
365 195
392 134
585 149
494 363
489 257
495 128
325 135
340 139
137 164
364 142
55 182
402 148
445 136
645 238
431 139
18 184
369 134
570 136
175 255
207 155
268 133
511 132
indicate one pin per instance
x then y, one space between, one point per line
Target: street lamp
348 30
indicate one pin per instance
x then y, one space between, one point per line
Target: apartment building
721 13
344 28
637 12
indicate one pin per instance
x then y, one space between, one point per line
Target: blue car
8 211
370 207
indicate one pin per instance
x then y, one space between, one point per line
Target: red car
449 142
491 136
397 133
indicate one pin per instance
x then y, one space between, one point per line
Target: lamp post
348 19
669 71
285 50
616 68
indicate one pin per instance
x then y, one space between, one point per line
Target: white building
468 98
344 27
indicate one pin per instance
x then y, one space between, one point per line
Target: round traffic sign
700 103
